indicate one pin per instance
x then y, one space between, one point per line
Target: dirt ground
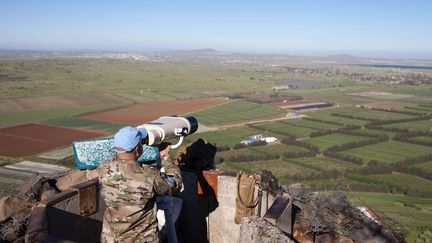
29 139
145 112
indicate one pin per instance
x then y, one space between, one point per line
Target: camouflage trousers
141 232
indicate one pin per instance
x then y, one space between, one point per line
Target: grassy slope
389 152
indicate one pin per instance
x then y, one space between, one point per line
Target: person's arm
169 181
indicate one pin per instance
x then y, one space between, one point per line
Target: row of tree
407 139
324 121
397 111
324 132
385 122
303 144
251 157
348 158
299 154
372 168
240 145
361 143
285 133
354 117
361 133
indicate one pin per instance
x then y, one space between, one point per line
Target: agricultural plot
371 114
424 138
422 125
325 115
14 118
277 149
402 181
411 213
92 125
380 132
322 163
145 112
313 124
427 165
236 111
30 139
324 142
420 110
236 152
382 95
388 152
281 169
285 127
228 136
78 75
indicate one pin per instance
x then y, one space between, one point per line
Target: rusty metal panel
208 183
280 213
88 200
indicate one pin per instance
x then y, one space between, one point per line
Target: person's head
127 142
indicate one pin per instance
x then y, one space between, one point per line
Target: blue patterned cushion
90 153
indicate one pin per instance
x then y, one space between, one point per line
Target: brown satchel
245 202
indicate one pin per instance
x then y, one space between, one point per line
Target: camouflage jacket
129 191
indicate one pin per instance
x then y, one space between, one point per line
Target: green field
280 168
228 136
76 75
402 181
286 127
236 111
324 142
377 131
93 125
10 119
326 116
427 165
388 152
277 149
265 149
121 82
411 213
236 152
312 124
323 163
371 114
422 125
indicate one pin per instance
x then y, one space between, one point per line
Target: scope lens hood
193 124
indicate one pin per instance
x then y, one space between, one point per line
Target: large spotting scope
168 127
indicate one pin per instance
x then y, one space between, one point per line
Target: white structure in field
256 138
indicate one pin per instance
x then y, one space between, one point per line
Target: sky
363 27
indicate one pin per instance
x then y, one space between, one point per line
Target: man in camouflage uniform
129 189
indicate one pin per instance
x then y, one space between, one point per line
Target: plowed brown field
145 112
30 139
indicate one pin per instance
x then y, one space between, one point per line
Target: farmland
14 118
236 111
29 139
324 142
148 111
369 164
285 127
389 152
423 125
91 125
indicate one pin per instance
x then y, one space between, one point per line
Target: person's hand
164 149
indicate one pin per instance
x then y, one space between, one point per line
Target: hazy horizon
388 29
